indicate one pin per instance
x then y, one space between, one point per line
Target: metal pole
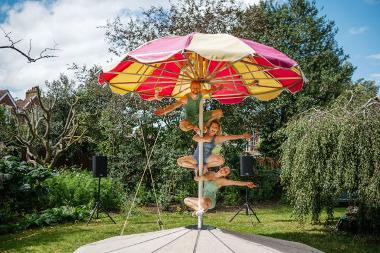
98 200
200 166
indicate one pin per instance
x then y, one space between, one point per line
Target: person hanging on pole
190 103
212 138
213 181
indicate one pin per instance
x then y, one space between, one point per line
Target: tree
45 133
334 150
12 45
7 125
296 28
217 16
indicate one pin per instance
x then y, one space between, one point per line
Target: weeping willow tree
334 151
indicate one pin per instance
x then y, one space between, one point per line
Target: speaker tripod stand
98 207
248 210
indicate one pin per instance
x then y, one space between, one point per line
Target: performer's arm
222 138
197 138
210 176
171 107
227 182
212 90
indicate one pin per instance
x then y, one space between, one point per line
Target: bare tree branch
45 53
38 121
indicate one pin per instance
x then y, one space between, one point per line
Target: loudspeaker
99 166
247 165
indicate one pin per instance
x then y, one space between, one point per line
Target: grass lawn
275 222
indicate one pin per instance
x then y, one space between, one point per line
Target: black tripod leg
240 209
253 212
251 219
93 212
105 211
110 217
160 224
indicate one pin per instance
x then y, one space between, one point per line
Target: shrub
55 215
47 217
21 187
79 188
268 181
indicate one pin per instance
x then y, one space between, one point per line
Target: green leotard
210 188
192 110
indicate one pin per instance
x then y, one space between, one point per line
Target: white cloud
358 30
71 24
375 56
251 2
375 75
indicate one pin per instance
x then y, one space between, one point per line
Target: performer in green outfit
190 102
213 181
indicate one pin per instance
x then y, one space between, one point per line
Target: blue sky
358 22
47 22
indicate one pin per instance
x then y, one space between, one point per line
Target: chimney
31 93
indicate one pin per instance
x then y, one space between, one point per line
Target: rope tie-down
148 156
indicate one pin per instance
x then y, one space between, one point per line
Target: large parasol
238 68
165 67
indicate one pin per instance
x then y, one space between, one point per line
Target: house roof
2 92
6 97
21 103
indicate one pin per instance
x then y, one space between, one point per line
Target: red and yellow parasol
236 68
165 67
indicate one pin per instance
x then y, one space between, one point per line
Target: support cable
147 165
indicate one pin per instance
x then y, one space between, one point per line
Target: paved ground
190 239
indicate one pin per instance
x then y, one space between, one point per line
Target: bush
47 217
33 196
79 188
268 181
21 187
55 215
269 188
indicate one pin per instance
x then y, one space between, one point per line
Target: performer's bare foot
198 213
197 130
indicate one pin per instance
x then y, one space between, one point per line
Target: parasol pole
200 166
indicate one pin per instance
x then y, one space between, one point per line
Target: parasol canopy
165 67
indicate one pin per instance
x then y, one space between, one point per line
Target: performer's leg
187 162
186 125
193 203
215 161
215 115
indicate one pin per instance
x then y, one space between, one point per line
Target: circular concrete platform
190 239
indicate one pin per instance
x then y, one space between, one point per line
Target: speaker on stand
99 170
247 168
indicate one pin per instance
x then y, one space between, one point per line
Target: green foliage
269 188
35 196
268 181
21 188
79 188
296 28
7 126
332 151
47 217
217 16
